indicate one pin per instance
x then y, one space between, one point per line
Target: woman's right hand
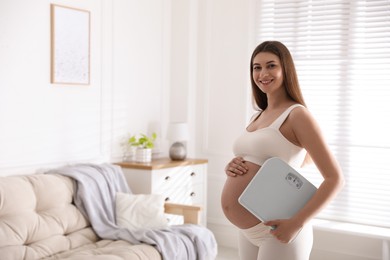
236 167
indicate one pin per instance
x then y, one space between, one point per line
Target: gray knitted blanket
97 186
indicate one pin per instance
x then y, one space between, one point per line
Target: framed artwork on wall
70 45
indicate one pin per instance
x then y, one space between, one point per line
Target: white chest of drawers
178 181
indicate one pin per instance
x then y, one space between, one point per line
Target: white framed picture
70 45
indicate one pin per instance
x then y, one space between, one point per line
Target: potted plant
143 146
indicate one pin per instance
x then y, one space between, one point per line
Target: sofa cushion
38 220
109 250
137 211
37 217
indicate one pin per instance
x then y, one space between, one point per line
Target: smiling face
267 72
272 70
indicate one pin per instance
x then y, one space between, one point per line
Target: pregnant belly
232 190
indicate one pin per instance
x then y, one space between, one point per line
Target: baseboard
318 254
327 245
226 235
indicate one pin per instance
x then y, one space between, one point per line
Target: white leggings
256 243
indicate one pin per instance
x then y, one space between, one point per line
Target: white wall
45 125
41 123
140 46
153 61
224 48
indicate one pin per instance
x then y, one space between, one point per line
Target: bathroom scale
277 191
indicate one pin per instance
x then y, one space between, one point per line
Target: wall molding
227 236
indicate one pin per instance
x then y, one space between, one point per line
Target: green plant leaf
143 141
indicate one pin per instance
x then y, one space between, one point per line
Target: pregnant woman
282 128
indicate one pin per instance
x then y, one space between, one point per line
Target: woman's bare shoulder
303 121
301 113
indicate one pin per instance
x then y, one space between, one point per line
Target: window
341 51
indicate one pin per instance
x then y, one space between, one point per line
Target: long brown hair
290 78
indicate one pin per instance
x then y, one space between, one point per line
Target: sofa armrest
191 213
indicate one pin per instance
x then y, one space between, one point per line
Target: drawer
195 175
184 195
176 177
196 193
185 184
175 195
171 177
174 219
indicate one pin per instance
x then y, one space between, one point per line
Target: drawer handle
193 174
167 178
192 194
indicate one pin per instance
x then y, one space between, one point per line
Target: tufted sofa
38 220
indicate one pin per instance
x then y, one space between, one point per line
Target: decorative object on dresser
182 182
139 148
178 134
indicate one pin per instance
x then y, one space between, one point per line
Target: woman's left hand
284 230
236 167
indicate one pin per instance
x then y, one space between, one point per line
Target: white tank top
259 145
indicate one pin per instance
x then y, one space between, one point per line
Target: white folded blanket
97 186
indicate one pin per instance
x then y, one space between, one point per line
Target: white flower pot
143 155
129 155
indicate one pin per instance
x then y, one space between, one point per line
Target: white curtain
341 51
